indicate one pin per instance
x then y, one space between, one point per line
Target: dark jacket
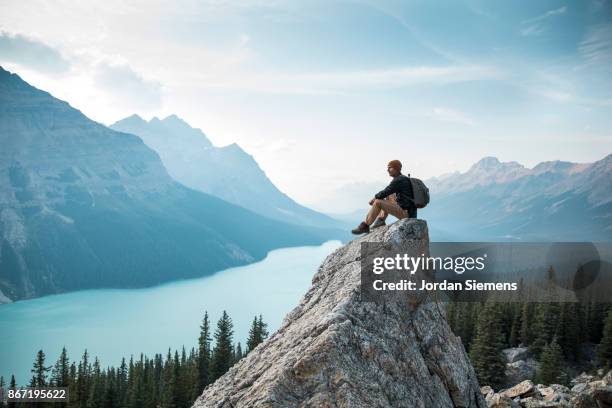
402 187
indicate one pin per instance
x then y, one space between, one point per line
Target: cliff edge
333 350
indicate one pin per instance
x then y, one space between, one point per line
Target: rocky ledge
333 350
587 391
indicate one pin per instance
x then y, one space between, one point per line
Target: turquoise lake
115 323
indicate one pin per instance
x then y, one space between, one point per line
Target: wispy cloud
549 13
596 48
347 81
534 26
32 53
532 30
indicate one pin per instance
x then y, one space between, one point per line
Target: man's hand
372 201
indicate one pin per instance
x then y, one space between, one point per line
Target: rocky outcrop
588 391
333 350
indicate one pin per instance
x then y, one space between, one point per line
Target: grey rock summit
333 350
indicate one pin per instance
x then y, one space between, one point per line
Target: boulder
582 378
524 388
555 393
594 394
607 379
334 350
578 388
531 402
486 391
501 401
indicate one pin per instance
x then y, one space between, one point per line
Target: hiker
396 199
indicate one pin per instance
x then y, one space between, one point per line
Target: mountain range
553 201
83 206
227 172
506 201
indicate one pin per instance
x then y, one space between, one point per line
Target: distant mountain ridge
554 200
83 206
506 201
227 172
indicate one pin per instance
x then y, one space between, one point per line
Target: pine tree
39 371
263 328
158 376
192 374
60 376
526 332
451 316
567 332
254 336
83 377
204 355
544 326
2 389
179 381
485 353
122 373
168 397
222 353
135 393
514 338
550 364
73 386
96 391
605 347
466 322
238 353
597 316
257 333
12 384
110 400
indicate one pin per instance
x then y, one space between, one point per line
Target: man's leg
379 206
388 207
383 214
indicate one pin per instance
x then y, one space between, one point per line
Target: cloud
451 115
549 13
532 30
31 53
596 48
127 86
534 26
347 81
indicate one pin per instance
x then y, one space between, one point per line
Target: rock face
334 350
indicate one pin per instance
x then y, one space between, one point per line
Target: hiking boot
363 228
378 223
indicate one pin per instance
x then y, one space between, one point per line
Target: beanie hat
396 164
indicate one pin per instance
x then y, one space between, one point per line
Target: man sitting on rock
396 199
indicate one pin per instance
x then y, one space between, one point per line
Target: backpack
421 192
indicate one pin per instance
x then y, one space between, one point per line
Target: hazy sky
324 93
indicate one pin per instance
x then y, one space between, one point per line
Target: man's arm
387 191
